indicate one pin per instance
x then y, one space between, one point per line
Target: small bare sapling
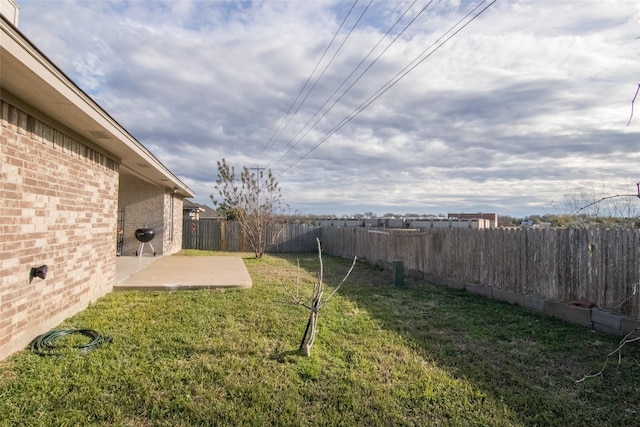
629 338
316 303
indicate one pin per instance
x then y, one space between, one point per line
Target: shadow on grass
284 356
527 361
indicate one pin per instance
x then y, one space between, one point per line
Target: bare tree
633 101
629 338
316 303
252 199
633 335
593 207
621 205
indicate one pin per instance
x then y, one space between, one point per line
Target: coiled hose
43 344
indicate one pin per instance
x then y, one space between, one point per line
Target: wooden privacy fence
216 235
562 265
600 266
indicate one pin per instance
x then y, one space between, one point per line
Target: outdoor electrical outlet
40 272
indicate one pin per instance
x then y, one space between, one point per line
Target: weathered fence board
600 266
214 235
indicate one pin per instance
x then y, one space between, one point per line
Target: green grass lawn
418 355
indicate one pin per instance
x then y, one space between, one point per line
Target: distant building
531 223
453 221
434 222
491 217
196 211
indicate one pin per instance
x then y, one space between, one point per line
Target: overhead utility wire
354 82
273 138
357 79
418 60
328 64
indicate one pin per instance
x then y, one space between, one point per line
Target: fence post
223 236
398 272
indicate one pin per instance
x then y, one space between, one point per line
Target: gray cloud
526 104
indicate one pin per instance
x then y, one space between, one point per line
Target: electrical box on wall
40 272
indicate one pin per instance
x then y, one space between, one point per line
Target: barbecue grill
145 235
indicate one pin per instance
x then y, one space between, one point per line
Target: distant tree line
254 200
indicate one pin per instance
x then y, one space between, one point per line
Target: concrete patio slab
127 265
172 273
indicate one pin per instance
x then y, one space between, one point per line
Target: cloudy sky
383 106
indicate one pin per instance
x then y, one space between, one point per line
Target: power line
392 82
258 176
330 62
357 79
278 131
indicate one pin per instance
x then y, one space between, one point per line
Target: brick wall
58 206
149 205
143 207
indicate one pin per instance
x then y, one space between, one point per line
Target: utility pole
259 178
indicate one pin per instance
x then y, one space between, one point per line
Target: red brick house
74 185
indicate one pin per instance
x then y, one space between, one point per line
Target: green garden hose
43 344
